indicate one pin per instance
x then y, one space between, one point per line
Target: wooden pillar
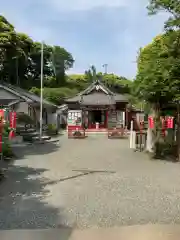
106 122
126 117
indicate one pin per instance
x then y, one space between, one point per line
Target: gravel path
94 182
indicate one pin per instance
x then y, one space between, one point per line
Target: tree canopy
157 78
170 6
158 75
21 55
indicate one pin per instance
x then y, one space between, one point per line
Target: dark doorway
97 116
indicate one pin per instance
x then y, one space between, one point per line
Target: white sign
74 117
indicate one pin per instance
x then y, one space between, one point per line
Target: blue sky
94 31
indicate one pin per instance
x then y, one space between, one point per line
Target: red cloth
12 119
11 134
151 122
0 143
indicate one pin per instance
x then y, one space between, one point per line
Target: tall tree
91 74
158 80
61 61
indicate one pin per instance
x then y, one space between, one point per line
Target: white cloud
71 5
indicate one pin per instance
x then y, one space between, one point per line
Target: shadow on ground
22 201
36 149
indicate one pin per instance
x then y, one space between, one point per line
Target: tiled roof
24 94
97 99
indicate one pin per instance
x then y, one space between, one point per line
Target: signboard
112 119
121 117
74 118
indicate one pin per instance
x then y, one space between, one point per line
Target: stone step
30 134
44 138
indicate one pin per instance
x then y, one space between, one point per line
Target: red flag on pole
170 122
11 134
12 123
12 119
0 143
2 114
151 122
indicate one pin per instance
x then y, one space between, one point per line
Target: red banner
0 143
12 119
151 122
11 134
170 122
2 114
1 126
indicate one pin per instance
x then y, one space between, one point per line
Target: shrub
52 129
24 118
7 150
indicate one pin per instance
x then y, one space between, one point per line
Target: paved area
138 232
94 183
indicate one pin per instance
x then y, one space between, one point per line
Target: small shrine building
97 107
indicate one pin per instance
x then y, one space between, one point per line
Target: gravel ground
94 182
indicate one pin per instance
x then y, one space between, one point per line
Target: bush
35 90
7 150
52 129
24 118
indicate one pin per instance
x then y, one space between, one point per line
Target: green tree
171 54
20 58
61 62
157 81
170 6
91 74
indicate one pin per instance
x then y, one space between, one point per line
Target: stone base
16 140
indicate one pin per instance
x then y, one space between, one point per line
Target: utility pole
41 101
105 66
17 71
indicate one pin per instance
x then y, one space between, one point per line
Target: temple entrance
97 116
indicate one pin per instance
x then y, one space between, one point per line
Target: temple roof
97 94
97 98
